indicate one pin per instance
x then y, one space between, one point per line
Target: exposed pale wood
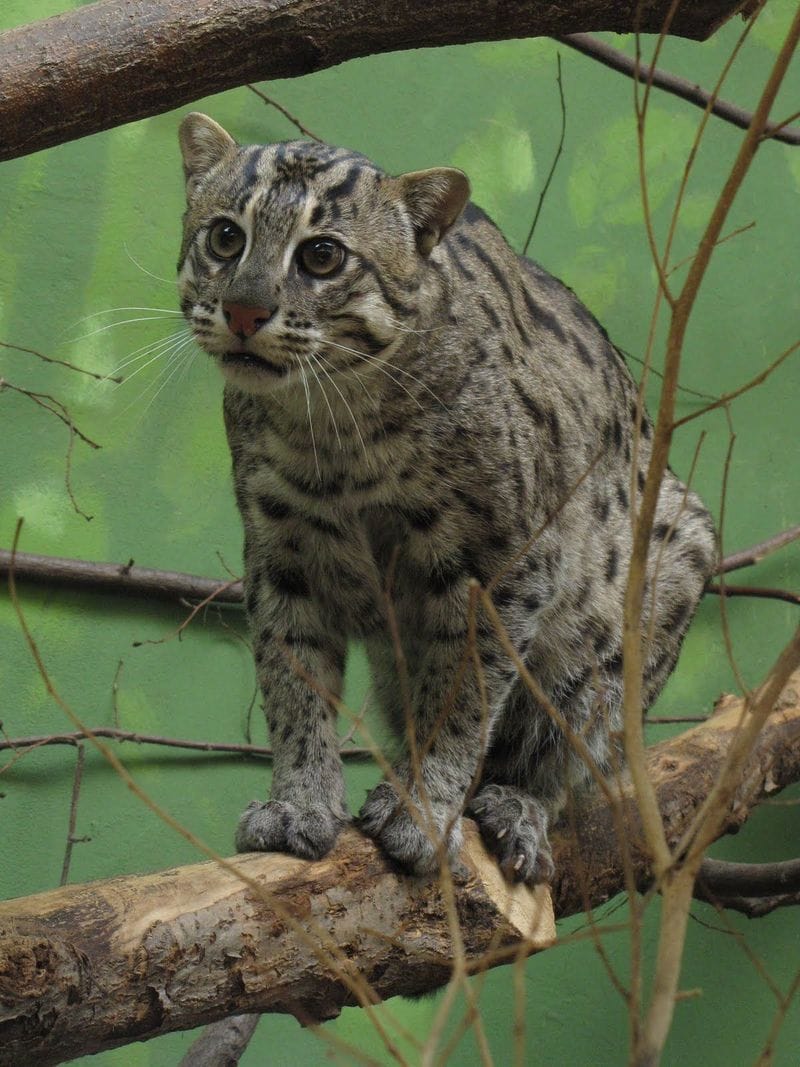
88 967
108 63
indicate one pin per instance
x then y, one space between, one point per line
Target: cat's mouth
249 362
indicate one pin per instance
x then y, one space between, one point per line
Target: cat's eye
226 240
321 256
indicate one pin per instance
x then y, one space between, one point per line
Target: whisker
144 270
166 352
408 329
320 362
172 363
327 401
179 360
381 365
310 420
113 325
145 350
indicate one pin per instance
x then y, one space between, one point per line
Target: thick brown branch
755 889
84 968
111 62
723 879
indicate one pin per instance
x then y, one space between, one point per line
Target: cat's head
299 252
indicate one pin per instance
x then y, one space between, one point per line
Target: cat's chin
251 373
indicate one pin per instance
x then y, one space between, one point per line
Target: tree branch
174 585
119 578
108 63
89 967
672 83
113 733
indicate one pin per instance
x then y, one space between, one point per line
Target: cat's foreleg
299 666
416 816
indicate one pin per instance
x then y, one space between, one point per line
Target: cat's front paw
415 842
280 826
513 826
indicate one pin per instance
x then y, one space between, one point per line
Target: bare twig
60 362
119 578
55 407
754 591
722 401
286 114
73 814
218 592
556 157
115 734
611 57
748 557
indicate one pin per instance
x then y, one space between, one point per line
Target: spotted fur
436 411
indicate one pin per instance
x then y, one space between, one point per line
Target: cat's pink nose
244 320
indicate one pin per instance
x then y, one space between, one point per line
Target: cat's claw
280 826
513 826
385 818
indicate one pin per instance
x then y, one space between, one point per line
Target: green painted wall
93 225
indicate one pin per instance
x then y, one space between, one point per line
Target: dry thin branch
724 400
73 814
754 591
611 57
119 578
748 557
59 362
556 157
677 880
295 121
55 407
107 63
176 585
114 734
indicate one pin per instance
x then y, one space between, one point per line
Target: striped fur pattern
431 411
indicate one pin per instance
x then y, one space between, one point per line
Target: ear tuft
203 143
434 200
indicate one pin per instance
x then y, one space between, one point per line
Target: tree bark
89 967
111 62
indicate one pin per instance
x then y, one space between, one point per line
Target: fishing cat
413 408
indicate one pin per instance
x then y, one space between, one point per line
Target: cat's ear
434 199
203 143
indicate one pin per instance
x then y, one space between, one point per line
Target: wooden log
89 967
111 62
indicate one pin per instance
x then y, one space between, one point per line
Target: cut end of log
529 911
